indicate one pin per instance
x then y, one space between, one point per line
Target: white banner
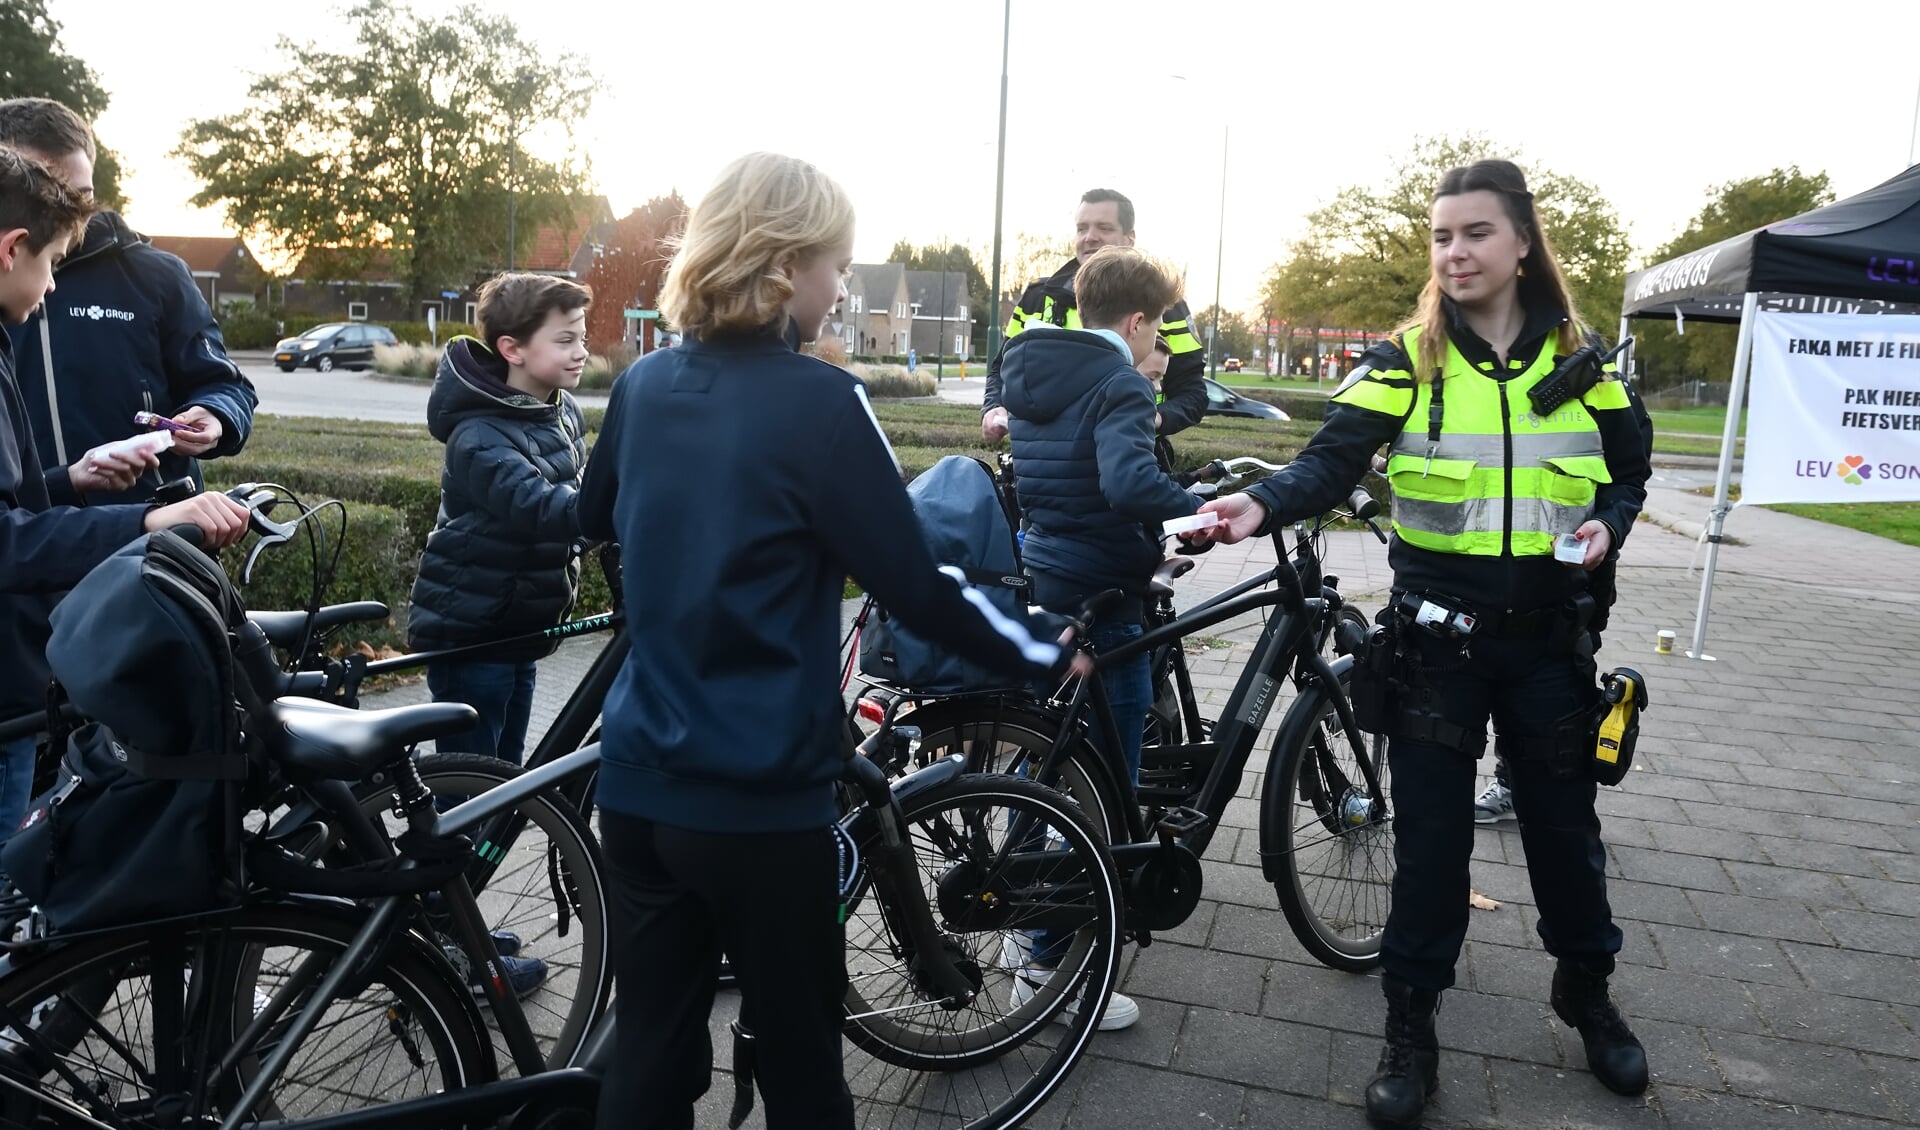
1835 411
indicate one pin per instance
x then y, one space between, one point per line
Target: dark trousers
771 903
502 693
1527 690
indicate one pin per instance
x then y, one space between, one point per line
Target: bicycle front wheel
1333 831
84 1016
1029 908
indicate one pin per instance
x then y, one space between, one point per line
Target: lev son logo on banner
1835 413
1854 470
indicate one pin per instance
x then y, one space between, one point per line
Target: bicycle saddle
284 629
320 740
1170 570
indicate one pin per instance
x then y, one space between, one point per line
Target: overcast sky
1654 102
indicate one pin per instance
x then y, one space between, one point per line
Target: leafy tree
631 268
1365 256
1029 258
1705 351
398 149
1237 336
33 66
950 257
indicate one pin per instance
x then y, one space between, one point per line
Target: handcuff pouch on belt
1376 673
1390 694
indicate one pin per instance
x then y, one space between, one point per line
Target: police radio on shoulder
1572 377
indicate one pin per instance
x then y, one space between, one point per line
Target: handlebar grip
191 534
1362 505
254 656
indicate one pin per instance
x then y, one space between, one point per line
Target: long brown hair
1541 278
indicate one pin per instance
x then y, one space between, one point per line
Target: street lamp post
521 80
940 346
999 184
1219 254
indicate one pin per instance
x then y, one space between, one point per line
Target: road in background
344 395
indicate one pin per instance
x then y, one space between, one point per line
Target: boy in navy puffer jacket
500 561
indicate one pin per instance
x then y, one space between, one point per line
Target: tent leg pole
1717 521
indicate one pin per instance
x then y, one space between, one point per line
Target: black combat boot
1409 1069
1613 1054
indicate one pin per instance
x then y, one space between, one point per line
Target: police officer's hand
1241 516
1599 542
222 520
206 435
993 425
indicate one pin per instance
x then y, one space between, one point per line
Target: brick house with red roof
566 247
221 266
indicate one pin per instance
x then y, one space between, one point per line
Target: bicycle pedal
1181 820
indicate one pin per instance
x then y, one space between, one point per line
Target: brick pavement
1764 861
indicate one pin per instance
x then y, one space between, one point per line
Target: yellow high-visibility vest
1500 477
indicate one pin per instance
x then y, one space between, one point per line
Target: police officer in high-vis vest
1105 219
1484 621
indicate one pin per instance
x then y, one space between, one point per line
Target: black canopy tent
1860 255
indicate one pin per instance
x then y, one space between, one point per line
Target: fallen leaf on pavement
1478 901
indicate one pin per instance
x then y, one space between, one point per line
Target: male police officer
1105 219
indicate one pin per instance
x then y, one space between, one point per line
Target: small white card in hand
1570 549
155 442
1188 525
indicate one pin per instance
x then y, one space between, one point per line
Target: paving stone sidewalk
1764 861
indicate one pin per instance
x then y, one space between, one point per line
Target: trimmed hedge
388 475
377 562
1299 405
246 326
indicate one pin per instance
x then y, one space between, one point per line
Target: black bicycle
309 1011
1326 817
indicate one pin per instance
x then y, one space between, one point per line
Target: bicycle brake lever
279 537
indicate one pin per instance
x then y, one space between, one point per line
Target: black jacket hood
472 381
107 234
1047 369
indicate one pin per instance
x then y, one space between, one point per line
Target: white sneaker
1494 805
1121 1010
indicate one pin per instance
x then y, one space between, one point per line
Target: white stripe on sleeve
1034 651
860 391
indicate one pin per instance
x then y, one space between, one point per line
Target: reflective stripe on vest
1179 334
1455 497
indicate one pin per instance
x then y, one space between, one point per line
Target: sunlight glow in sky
1653 102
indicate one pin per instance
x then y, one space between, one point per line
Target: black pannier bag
965 526
145 818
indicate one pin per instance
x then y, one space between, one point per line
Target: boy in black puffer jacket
1082 422
500 561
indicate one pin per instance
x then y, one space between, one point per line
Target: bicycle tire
71 992
1334 840
999 736
998 1073
580 966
